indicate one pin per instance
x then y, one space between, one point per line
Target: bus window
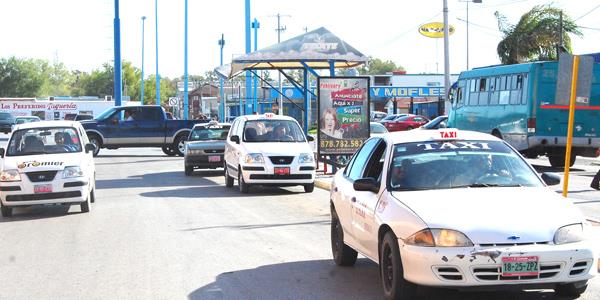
508 85
504 97
524 94
473 84
513 82
482 84
502 83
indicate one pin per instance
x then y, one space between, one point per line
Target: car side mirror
90 147
550 178
235 138
2 152
367 184
310 138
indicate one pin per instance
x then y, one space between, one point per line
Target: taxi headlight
254 158
193 152
305 158
569 234
10 175
72 171
439 238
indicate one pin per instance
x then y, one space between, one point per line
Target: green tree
58 81
535 36
168 88
20 77
376 66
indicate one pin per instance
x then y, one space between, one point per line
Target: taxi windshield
457 164
262 131
52 140
209 133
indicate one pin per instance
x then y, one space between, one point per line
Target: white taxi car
456 209
268 150
48 162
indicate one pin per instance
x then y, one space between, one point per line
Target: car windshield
378 128
50 140
210 133
5 116
261 131
434 124
389 118
456 164
106 114
403 118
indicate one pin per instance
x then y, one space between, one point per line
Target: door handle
353 199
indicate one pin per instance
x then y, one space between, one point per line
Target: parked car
437 123
6 122
377 116
457 209
138 126
70 117
406 123
391 118
48 162
83 117
377 129
26 119
268 150
205 146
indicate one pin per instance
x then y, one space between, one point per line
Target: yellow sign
434 30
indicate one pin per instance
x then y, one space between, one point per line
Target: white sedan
456 209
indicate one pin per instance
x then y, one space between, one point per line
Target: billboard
343 109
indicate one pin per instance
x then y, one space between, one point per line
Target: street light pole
446 52
248 49
185 63
142 79
255 26
222 109
156 30
279 30
474 1
117 63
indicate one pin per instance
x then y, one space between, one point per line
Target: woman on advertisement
330 124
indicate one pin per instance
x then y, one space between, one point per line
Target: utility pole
279 30
446 52
223 106
255 25
118 85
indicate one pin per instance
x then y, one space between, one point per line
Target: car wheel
228 179
179 145
92 196
168 150
571 289
309 188
85 205
94 139
392 272
6 211
343 255
558 161
244 187
409 128
189 171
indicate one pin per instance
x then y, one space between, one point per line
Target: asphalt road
155 233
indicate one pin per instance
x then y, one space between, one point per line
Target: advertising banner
343 108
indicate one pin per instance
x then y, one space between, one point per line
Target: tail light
531 125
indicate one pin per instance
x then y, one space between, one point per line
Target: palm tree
536 36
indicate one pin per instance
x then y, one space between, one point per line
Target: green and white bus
516 103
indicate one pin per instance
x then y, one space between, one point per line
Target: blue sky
79 33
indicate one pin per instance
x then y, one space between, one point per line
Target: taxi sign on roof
446 134
269 115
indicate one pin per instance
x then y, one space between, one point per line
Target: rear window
210 133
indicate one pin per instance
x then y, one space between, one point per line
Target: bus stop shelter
315 50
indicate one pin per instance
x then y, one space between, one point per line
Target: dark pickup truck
138 126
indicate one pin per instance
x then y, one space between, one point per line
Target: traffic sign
173 101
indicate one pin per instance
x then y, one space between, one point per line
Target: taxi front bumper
265 174
482 266
74 190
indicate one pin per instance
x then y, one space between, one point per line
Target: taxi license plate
282 171
520 266
42 188
214 158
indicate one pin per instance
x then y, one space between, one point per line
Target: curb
323 184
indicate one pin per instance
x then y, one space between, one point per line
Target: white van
268 150
48 162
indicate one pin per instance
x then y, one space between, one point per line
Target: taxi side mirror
550 178
310 138
367 184
2 152
235 138
90 147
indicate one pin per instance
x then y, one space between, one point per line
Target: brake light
531 125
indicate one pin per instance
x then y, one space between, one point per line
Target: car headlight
305 158
254 158
10 175
193 152
72 171
569 234
439 238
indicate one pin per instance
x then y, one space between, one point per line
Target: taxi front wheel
244 187
574 289
309 188
228 179
85 205
6 211
343 255
392 272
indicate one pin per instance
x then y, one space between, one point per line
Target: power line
587 13
495 32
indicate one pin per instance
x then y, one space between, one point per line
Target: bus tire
558 161
497 134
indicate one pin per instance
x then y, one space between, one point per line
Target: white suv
268 150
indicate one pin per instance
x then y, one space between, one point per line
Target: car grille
210 151
278 177
579 268
513 244
41 176
45 196
494 273
281 160
448 273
